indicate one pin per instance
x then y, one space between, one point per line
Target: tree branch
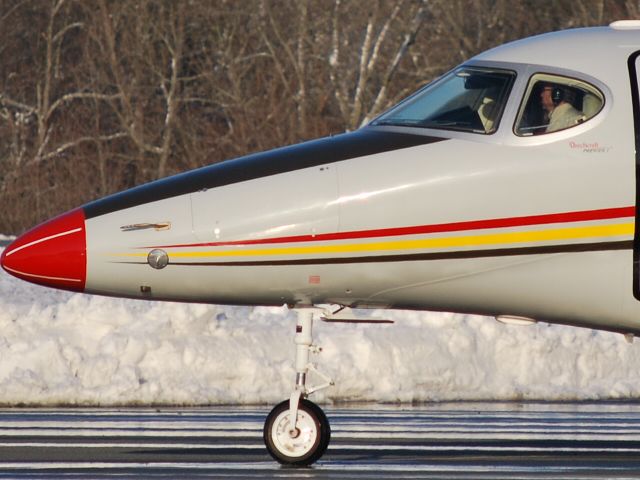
77 141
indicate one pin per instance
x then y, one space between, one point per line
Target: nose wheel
298 444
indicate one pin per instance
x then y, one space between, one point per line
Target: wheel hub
298 441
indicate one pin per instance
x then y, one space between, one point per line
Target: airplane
507 187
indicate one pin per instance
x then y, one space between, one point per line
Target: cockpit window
554 103
468 99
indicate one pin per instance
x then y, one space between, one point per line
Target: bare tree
362 70
148 56
41 98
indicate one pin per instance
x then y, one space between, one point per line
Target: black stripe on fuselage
413 257
635 103
314 153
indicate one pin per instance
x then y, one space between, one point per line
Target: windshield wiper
437 124
397 123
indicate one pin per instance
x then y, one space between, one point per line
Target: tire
308 445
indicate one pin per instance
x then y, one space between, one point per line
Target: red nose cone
53 254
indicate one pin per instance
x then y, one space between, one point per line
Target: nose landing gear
297 431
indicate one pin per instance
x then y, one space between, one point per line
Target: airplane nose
53 254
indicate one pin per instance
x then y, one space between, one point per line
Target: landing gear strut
297 431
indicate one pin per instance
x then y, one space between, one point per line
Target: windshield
469 99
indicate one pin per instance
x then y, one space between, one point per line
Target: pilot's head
549 97
553 95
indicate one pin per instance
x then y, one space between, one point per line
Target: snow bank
63 348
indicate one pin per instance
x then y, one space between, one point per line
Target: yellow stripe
572 233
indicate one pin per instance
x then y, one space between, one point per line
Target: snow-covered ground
63 348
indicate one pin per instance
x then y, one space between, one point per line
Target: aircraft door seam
635 104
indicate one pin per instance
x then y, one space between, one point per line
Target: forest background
97 96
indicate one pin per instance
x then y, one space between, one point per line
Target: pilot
556 103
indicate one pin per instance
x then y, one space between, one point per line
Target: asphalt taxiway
445 441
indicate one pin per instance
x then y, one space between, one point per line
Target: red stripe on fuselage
566 217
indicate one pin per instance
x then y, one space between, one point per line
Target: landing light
625 24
